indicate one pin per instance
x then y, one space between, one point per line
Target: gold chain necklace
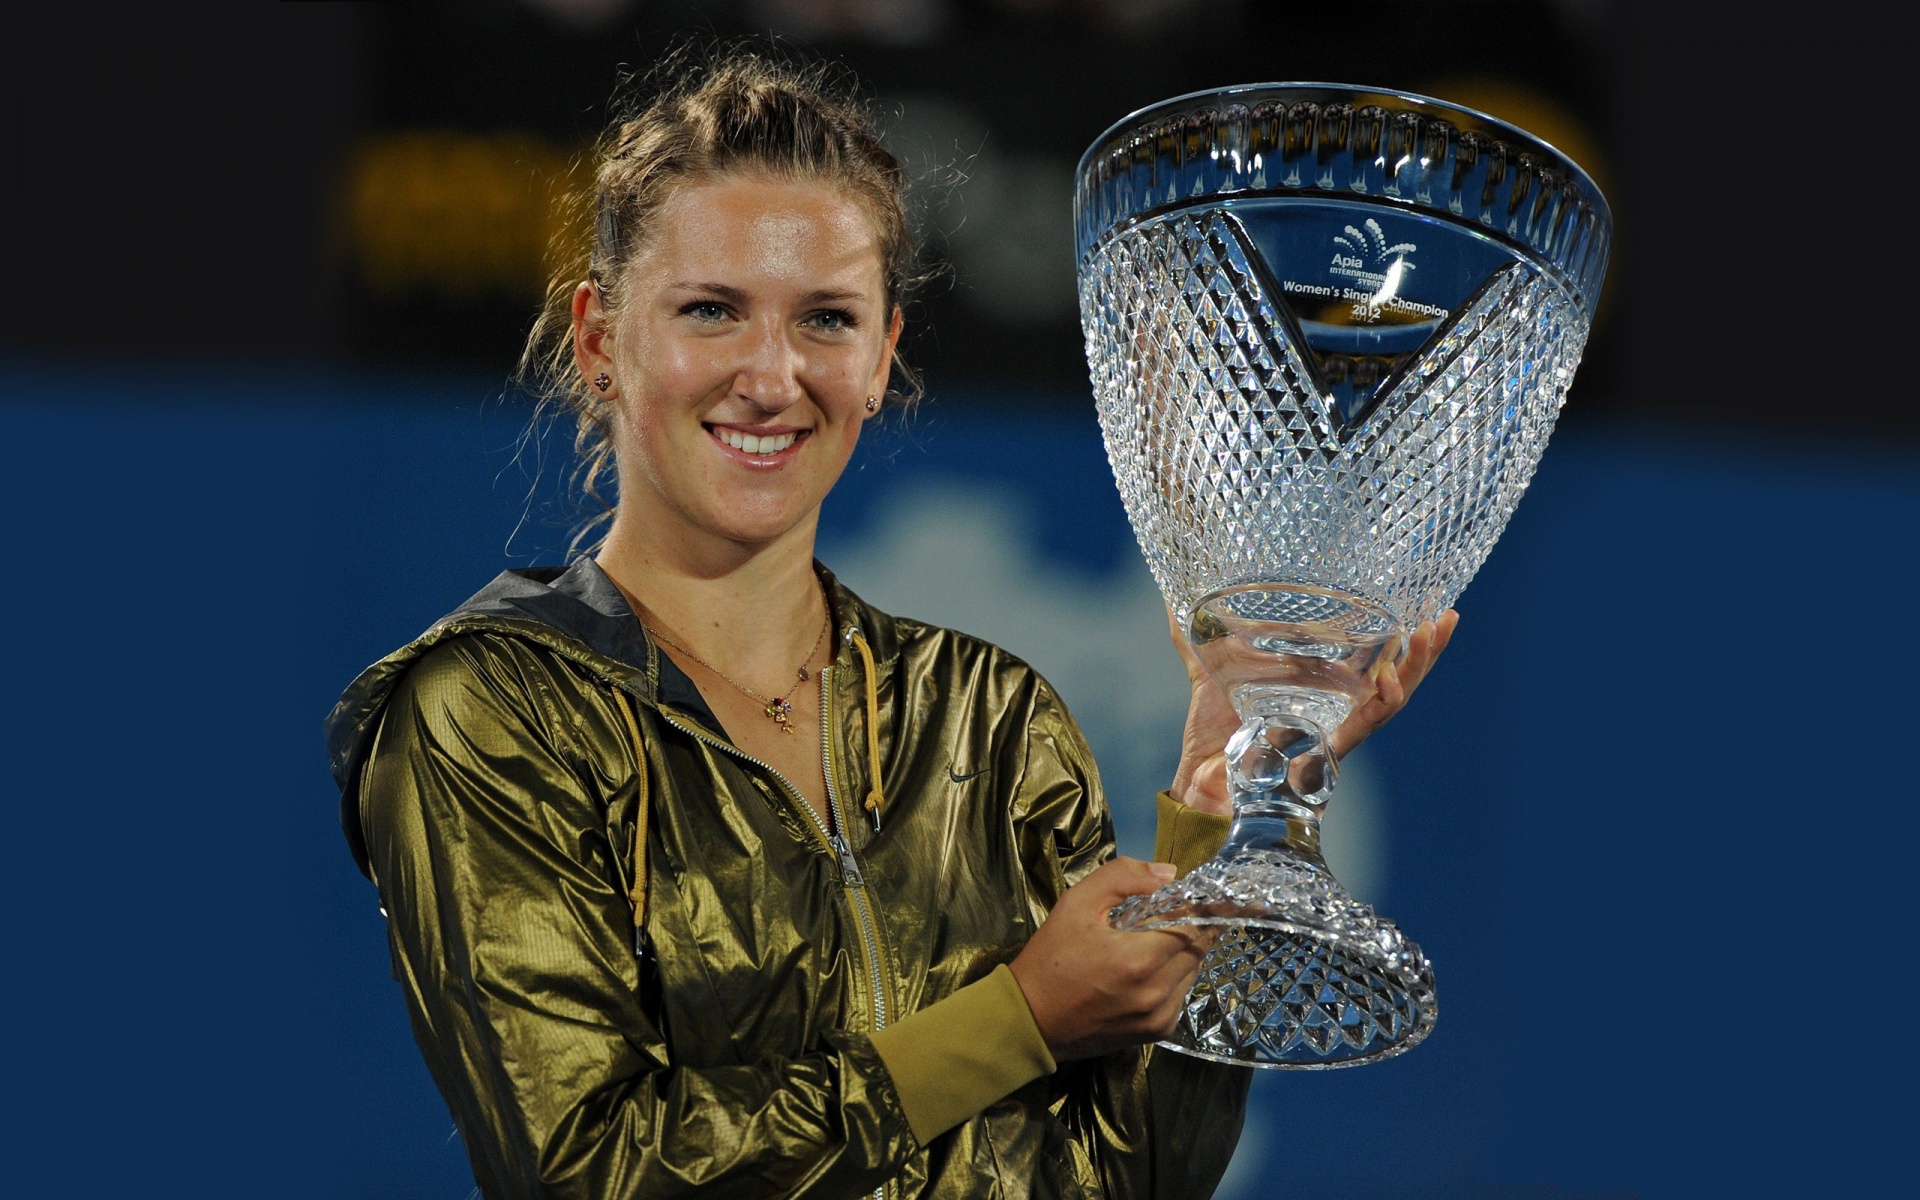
779 709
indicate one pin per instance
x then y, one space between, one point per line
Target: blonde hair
699 114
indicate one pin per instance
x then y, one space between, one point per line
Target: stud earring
873 404
603 381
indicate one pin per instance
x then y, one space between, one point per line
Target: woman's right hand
1201 780
1094 988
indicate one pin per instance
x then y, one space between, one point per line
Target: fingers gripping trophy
1330 329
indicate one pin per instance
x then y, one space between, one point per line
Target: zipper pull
849 869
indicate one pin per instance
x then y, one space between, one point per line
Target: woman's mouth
771 444
757 449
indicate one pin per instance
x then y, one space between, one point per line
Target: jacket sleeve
1154 1124
512 939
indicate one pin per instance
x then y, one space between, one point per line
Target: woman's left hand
1201 781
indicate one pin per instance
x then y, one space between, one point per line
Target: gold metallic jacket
639 966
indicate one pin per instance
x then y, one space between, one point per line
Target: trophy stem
1280 768
1302 974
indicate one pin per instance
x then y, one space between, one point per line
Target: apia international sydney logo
1364 256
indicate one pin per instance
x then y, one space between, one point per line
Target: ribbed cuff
1187 837
955 1057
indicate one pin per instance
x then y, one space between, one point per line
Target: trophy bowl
1329 330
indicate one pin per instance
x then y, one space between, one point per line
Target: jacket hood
576 612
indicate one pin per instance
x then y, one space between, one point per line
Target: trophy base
1303 976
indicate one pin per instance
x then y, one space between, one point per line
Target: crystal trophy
1330 329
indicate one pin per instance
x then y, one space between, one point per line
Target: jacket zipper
850 872
851 877
702 735
849 866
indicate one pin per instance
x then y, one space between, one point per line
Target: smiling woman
754 327
705 876
710 124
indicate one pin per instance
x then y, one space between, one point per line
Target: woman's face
753 328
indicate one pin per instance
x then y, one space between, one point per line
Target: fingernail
1162 871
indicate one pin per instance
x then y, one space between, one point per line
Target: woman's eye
705 310
832 319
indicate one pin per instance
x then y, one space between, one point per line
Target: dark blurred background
267 269
367 184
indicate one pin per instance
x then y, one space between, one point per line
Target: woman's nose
769 375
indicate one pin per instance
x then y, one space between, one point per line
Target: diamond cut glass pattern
1235 468
1329 331
1330 1002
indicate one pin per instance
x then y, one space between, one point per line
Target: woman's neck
752 612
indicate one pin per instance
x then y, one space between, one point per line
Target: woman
705 877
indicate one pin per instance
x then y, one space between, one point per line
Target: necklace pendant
777 711
803 674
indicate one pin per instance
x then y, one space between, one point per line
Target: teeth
756 445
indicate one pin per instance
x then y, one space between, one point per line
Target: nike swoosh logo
967 776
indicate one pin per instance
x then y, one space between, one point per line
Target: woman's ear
592 339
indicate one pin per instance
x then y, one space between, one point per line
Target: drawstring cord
637 889
876 800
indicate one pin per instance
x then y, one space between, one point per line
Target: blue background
1651 818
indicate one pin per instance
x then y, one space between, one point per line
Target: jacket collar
583 604
850 612
576 612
